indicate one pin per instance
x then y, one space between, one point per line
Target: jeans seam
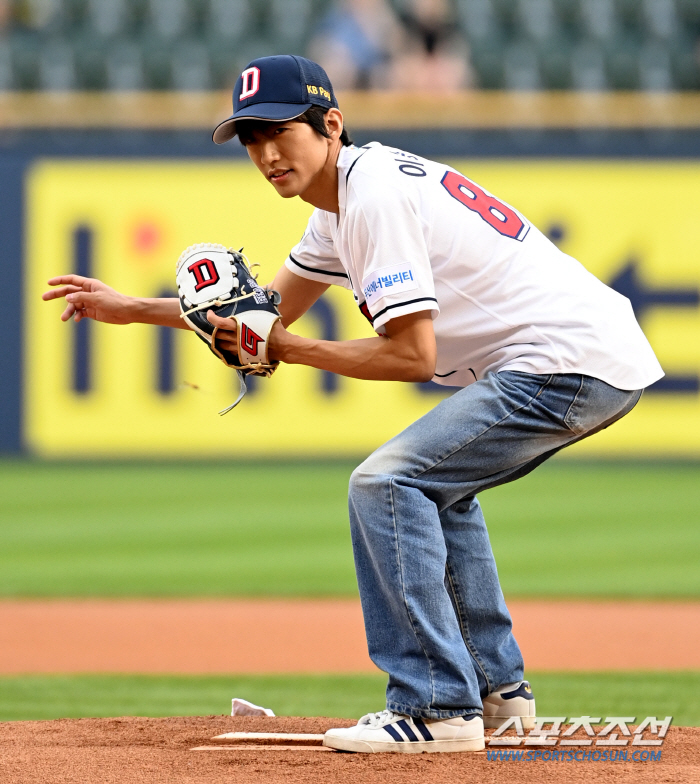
483 432
573 403
403 593
464 626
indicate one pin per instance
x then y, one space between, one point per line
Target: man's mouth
279 176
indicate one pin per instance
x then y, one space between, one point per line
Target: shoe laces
379 719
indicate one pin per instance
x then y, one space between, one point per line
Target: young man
460 289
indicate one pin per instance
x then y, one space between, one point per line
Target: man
460 289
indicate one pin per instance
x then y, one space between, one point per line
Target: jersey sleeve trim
403 304
316 271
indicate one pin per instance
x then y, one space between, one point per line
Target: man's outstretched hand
90 298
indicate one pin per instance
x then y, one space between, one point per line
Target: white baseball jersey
415 235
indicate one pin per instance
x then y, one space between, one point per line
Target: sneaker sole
420 747
494 722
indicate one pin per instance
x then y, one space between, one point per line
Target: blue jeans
434 612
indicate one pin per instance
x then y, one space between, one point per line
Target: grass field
225 529
558 694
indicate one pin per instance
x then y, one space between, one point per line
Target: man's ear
334 122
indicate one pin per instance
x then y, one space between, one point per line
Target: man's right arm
91 298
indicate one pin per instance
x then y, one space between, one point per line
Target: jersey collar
347 159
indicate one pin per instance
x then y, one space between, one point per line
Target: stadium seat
289 21
655 69
56 66
685 63
623 62
555 62
169 19
588 71
124 68
478 20
190 67
228 19
521 67
107 18
89 61
599 19
7 71
537 19
660 18
487 60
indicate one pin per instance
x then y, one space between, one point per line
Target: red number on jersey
497 214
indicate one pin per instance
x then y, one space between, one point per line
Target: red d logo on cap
250 84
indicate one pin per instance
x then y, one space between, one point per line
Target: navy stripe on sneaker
410 734
424 731
524 690
394 734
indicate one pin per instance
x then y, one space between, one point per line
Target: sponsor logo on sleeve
389 280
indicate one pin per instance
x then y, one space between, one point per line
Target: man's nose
269 152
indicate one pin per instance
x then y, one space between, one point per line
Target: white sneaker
387 731
512 699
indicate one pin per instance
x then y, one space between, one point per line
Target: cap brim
272 112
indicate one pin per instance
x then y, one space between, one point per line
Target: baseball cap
276 88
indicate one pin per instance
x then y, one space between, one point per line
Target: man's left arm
406 353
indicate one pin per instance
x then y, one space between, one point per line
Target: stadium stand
193 45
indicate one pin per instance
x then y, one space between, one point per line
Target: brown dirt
133 751
259 636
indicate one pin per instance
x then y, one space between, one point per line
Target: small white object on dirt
241 707
290 736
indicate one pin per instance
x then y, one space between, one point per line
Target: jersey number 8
497 214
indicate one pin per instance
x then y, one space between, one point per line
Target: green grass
225 529
558 694
76 696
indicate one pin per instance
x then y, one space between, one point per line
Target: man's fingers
227 342
73 280
58 293
68 312
81 298
222 323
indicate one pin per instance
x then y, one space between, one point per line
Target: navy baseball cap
276 88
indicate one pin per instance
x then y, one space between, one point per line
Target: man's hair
315 117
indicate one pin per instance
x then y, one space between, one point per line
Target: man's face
290 155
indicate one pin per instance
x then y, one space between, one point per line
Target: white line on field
260 747
268 736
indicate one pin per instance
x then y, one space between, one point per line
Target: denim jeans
435 616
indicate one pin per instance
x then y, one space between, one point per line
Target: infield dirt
200 636
134 750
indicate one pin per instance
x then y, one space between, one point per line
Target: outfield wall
122 203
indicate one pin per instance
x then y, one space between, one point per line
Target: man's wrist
136 310
282 344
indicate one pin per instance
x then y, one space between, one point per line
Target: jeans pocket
597 405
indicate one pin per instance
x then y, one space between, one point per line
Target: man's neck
322 192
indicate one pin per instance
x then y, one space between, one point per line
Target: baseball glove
211 277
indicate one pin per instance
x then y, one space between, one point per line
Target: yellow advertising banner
95 389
